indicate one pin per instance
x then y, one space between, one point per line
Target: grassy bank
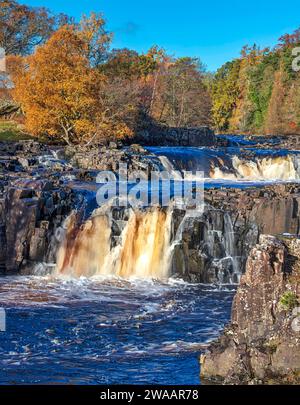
10 131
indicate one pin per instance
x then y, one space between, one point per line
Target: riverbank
261 344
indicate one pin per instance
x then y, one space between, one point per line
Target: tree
182 98
97 39
289 40
128 64
259 92
225 94
57 88
132 79
22 27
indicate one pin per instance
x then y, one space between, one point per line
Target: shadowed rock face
261 343
31 211
33 205
166 136
214 246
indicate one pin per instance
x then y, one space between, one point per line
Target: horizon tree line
72 87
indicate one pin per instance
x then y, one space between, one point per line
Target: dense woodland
260 91
71 85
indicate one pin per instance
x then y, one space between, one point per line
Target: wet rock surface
213 246
261 344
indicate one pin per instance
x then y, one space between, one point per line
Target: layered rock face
210 247
213 246
109 158
31 211
262 342
33 205
166 136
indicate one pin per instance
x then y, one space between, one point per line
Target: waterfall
175 174
143 251
83 250
233 165
230 247
227 264
143 244
268 168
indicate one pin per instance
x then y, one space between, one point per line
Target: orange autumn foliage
54 87
60 92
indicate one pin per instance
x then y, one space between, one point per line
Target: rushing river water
107 332
111 331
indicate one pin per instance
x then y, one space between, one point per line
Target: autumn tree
259 92
131 84
289 40
225 93
92 30
58 88
23 27
128 64
182 98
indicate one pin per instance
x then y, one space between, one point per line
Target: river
121 326
92 331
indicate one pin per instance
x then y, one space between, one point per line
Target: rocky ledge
110 157
168 136
34 200
40 185
261 345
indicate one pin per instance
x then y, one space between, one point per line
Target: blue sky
215 30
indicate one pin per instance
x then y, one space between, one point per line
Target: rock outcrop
109 158
213 246
31 212
166 136
33 205
210 247
262 342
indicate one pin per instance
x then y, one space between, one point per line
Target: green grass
288 301
9 131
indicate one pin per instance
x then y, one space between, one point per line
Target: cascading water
144 250
84 250
234 164
268 168
230 250
175 174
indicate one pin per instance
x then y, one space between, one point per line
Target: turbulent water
110 314
92 331
233 163
268 168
